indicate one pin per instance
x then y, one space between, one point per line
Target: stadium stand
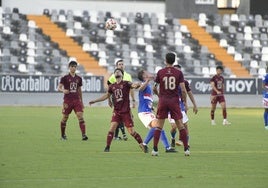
43 44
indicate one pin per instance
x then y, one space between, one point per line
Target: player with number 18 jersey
168 92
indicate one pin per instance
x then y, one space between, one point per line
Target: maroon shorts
217 99
75 105
166 105
126 118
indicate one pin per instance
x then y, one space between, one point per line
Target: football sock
122 128
62 128
183 137
265 116
137 137
109 139
116 132
173 134
224 113
82 126
164 139
149 136
157 134
187 133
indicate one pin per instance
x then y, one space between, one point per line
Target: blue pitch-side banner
232 85
45 83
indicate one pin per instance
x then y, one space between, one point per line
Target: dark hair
170 58
140 73
177 65
219 67
120 70
71 63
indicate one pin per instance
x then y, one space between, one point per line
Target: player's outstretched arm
135 85
102 98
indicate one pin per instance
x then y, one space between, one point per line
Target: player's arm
183 93
214 88
191 96
109 82
135 86
80 95
155 89
102 98
132 95
264 86
61 89
144 85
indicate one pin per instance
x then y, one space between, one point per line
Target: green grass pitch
33 156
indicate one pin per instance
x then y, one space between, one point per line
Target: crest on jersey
73 86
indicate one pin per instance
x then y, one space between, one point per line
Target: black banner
95 84
232 85
34 83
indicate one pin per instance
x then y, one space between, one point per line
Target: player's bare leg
138 138
173 132
212 111
224 114
183 136
157 134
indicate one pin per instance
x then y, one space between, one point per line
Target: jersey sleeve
187 86
80 83
62 80
110 89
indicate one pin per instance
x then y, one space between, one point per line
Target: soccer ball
111 24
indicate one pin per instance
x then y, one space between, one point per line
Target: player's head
118 73
72 63
219 69
144 75
178 66
140 75
170 58
119 64
72 66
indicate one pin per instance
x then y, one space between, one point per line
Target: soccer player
169 79
127 77
121 112
184 109
265 98
70 85
217 96
145 111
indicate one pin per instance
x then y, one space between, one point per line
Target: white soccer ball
111 24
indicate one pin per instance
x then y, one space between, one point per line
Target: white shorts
185 118
146 118
265 102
